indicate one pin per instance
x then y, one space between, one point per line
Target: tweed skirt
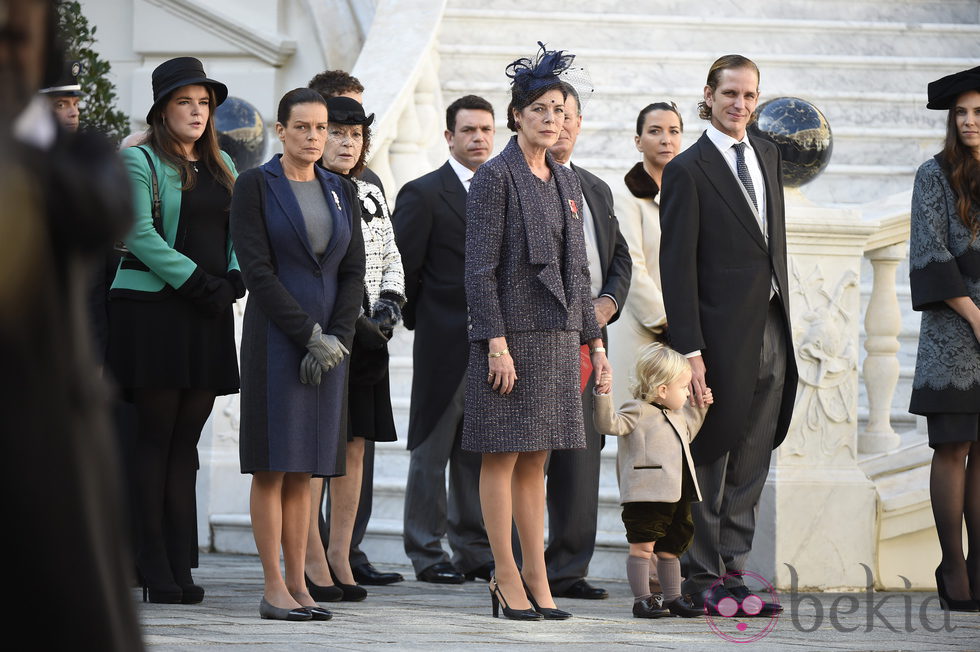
543 412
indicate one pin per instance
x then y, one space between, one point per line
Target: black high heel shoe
159 593
323 593
349 592
548 613
497 598
162 595
191 594
947 602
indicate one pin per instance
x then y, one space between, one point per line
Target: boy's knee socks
669 570
638 574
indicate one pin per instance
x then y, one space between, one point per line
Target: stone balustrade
885 250
400 67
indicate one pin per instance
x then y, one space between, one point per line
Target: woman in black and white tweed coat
530 309
944 257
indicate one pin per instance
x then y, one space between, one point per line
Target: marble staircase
865 64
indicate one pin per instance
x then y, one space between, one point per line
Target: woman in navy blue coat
297 233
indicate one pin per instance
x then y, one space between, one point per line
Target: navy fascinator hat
528 76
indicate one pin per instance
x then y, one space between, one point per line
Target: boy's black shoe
652 607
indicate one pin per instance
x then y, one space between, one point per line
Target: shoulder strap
155 211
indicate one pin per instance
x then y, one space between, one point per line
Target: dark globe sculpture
241 132
802 134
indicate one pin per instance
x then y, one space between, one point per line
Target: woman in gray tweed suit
527 287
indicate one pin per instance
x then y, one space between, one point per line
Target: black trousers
724 521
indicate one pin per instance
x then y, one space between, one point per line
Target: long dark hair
963 171
163 142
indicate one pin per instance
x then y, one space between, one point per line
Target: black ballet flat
318 613
269 612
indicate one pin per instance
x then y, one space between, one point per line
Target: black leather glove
310 371
210 294
328 350
235 278
387 311
368 333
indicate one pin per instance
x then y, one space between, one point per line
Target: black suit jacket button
317 273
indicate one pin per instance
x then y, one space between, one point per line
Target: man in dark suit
723 268
573 475
337 83
430 229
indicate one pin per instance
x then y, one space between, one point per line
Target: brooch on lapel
574 207
336 199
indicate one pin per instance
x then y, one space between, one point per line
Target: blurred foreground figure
61 202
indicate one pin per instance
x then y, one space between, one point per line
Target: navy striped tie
743 172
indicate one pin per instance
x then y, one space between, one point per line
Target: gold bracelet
498 354
599 349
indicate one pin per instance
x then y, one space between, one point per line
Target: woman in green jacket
172 328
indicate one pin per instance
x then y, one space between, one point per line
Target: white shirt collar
723 141
464 173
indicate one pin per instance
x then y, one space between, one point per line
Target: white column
882 324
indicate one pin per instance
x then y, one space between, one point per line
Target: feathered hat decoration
528 75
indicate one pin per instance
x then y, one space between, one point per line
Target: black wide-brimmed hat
348 111
943 92
182 71
67 83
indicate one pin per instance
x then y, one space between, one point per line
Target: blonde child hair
657 365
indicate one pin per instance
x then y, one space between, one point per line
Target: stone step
679 67
572 31
927 11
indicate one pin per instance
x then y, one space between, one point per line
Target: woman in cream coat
643 319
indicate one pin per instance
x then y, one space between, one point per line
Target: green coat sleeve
144 241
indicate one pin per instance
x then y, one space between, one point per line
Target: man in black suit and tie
573 475
430 229
726 291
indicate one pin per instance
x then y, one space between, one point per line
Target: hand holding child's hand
709 398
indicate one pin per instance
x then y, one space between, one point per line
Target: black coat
430 231
614 253
716 272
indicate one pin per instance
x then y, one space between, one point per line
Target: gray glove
327 349
310 370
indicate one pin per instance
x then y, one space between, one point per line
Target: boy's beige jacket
654 448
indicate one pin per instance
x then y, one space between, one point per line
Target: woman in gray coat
528 291
297 230
944 256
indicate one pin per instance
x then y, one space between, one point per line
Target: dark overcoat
430 231
286 425
716 269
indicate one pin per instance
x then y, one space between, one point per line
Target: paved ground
418 616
